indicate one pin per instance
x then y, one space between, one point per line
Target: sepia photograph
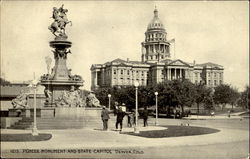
124 79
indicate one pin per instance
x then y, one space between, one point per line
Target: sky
102 31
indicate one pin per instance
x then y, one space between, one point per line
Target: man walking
105 118
145 116
120 115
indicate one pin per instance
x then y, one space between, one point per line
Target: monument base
29 112
48 104
72 118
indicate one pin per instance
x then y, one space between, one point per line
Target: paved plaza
230 142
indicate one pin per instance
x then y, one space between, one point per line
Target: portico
175 73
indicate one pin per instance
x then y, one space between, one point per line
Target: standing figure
48 94
115 108
229 113
145 116
105 118
120 114
130 119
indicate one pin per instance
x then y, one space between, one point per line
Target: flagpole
173 41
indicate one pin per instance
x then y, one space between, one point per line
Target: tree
201 93
209 99
3 82
102 95
183 93
235 95
244 98
225 94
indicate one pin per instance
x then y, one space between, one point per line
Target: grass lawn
175 131
24 137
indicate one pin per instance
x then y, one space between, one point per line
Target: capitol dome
155 23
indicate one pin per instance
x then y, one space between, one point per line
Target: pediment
178 63
122 65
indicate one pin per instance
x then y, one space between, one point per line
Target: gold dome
155 23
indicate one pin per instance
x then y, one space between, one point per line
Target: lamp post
136 107
34 130
156 108
109 95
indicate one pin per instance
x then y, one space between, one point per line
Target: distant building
156 64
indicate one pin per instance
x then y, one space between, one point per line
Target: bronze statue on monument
60 22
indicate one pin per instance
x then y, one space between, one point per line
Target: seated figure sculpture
92 101
71 99
20 101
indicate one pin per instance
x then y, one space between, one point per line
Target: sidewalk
96 138
80 142
199 117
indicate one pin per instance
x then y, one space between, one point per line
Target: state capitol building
156 65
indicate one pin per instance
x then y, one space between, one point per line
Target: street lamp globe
156 93
34 82
136 83
109 95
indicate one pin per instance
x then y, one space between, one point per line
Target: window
127 72
220 81
215 82
209 82
215 74
114 72
196 75
142 73
121 72
209 74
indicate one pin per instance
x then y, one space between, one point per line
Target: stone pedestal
29 112
60 80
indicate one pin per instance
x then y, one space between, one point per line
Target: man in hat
120 116
105 118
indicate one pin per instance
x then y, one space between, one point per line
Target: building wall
116 75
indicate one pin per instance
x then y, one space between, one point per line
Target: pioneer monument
61 88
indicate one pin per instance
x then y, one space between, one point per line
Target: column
118 76
130 77
164 49
174 73
95 78
181 73
169 74
103 77
184 77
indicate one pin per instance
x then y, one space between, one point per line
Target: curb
214 118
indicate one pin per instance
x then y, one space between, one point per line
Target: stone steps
67 118
57 123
